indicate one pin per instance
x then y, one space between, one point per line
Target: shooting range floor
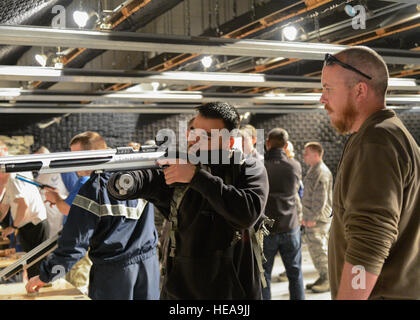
280 290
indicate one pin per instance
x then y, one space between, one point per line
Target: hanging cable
202 17
217 13
210 14
188 17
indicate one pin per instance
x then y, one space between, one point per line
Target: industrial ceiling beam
248 29
55 108
155 96
22 73
180 97
140 108
132 41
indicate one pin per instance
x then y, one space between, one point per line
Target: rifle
119 159
123 158
30 258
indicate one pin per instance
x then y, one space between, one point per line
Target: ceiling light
81 18
402 82
207 61
41 59
155 85
290 33
58 65
9 93
350 10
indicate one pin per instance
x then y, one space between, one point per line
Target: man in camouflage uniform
317 208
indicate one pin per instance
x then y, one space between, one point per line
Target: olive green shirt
376 208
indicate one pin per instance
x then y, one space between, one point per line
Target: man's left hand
178 171
309 224
34 284
7 231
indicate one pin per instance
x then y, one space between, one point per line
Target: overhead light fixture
81 18
263 61
207 61
350 10
9 93
402 82
41 59
58 60
290 33
58 65
155 85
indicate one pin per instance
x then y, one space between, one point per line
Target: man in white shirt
27 210
54 216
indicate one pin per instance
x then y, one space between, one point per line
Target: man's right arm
4 208
54 198
319 197
63 207
148 184
72 244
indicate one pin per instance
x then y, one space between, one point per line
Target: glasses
330 59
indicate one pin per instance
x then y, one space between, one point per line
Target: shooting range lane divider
30 258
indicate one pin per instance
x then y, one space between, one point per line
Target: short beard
344 125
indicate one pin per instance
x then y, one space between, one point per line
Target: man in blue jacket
121 238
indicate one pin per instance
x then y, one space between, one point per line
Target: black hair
221 110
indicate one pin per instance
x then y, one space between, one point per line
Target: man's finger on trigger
169 175
168 161
167 171
170 181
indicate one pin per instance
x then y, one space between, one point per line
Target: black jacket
205 265
283 176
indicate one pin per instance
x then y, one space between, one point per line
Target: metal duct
24 12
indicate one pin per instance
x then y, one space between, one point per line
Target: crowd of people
225 222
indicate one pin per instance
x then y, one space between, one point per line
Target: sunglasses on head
330 59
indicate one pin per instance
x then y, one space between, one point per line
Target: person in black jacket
284 175
211 254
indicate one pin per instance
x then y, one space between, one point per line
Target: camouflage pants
317 241
79 274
